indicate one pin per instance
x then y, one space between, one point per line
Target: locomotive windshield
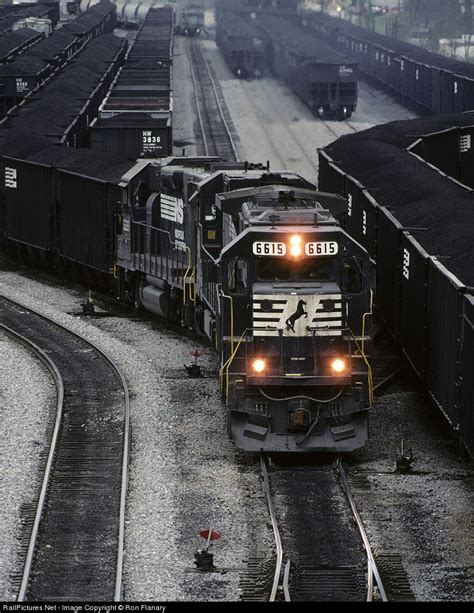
278 269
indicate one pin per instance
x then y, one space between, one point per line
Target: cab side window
237 276
353 275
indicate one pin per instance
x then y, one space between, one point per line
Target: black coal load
53 48
50 110
13 43
333 26
438 211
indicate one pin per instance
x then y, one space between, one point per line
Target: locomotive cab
294 319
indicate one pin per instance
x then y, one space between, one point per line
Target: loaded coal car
321 77
430 81
281 291
135 118
39 61
14 43
420 234
241 42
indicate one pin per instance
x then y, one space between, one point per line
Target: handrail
178 247
367 314
369 368
231 319
188 251
227 364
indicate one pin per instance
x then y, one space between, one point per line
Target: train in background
189 19
431 82
255 40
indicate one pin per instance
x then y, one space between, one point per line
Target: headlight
296 246
258 365
338 366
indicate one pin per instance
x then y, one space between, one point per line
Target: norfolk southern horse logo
290 322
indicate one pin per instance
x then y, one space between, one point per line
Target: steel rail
286 579
371 564
387 379
219 106
51 366
195 45
196 97
125 459
276 532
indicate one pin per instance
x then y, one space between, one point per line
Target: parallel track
322 560
216 135
76 544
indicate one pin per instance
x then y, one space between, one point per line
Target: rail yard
204 273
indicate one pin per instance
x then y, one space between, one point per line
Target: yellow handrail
369 368
362 349
231 319
188 251
369 313
227 364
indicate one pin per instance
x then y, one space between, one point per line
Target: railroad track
216 135
339 128
386 360
318 546
75 548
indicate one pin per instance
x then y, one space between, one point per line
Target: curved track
318 554
76 543
216 135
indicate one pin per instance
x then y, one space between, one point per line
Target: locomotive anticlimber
258 263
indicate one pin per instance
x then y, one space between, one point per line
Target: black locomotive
257 262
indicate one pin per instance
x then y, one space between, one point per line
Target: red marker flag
210 535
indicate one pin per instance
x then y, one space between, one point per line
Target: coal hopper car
322 78
135 118
241 42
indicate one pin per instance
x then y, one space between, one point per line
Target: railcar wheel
343 113
321 112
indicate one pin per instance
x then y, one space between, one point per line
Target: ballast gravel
185 475
27 403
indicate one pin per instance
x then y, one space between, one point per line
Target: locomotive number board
322 248
268 248
310 249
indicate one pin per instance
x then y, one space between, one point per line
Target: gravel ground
426 516
27 403
183 100
184 474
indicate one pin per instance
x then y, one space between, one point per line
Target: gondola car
241 42
321 77
257 262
